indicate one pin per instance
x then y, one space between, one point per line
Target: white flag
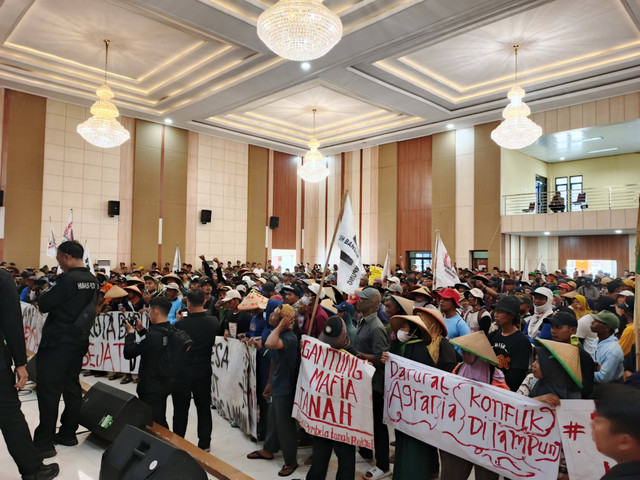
68 231
386 270
350 267
86 258
177 264
445 272
52 249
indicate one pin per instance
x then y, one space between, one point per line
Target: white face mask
403 336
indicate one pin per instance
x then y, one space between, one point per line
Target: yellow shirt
627 339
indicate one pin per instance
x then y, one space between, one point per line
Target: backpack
177 344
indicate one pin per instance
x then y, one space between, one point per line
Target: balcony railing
600 198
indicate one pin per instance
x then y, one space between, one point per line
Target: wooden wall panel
444 188
414 196
387 200
257 203
284 200
175 192
595 247
22 176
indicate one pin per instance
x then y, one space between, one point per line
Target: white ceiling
404 68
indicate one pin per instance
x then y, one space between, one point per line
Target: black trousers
380 434
155 393
200 388
58 370
286 436
322 448
14 427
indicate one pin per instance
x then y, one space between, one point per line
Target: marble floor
82 462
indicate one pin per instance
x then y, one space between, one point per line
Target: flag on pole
386 270
350 267
445 272
68 231
177 263
86 258
52 249
525 273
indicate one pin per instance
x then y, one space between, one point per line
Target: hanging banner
507 433
106 343
32 322
584 461
333 395
445 272
233 383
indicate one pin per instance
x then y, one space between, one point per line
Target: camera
132 321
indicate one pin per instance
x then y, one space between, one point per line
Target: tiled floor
82 462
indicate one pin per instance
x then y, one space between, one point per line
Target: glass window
422 260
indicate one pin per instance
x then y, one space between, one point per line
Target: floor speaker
106 410
136 455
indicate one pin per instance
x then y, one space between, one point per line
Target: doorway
541 194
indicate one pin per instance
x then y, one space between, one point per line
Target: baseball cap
562 318
566 286
346 307
607 318
173 286
393 279
395 288
474 292
230 295
604 303
367 293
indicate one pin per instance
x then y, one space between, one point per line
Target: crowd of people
513 330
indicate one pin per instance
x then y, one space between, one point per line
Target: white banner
507 433
32 322
333 394
350 267
584 461
445 272
52 249
233 383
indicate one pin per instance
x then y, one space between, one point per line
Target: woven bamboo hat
329 306
115 292
567 355
405 304
418 291
397 321
434 313
478 344
253 301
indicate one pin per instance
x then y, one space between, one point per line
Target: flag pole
324 270
636 314
434 259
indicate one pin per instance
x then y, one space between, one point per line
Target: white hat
241 288
173 286
230 295
476 292
246 278
314 288
394 280
250 283
544 291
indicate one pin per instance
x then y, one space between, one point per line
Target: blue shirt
456 326
175 306
608 355
257 326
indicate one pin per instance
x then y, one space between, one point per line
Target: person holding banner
411 454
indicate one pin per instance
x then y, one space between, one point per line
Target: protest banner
32 322
507 433
374 272
333 394
106 343
233 383
584 461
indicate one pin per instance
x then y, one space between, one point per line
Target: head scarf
555 378
435 331
584 304
478 370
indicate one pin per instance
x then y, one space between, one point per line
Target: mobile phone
146 291
132 321
184 314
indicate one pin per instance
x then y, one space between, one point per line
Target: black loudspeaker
274 222
205 216
113 208
1 198
136 455
106 410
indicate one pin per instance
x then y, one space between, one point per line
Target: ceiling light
516 130
313 169
168 121
561 158
547 233
618 232
102 129
450 126
604 150
306 66
299 30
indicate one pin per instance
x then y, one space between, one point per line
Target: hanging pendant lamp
313 169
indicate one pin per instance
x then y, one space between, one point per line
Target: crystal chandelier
516 130
102 129
313 169
299 30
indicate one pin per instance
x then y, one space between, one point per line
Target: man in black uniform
12 350
153 389
71 308
195 375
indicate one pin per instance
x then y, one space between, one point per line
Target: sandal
375 474
287 470
256 455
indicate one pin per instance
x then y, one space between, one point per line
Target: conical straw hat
397 320
567 355
253 301
115 292
421 290
405 304
329 306
478 344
